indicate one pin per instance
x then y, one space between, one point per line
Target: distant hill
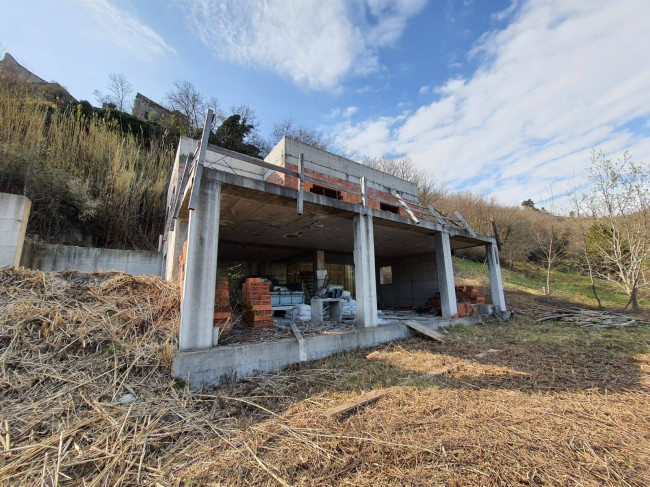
13 73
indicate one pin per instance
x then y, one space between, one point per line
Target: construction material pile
256 296
466 296
587 318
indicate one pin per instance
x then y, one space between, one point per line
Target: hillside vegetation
90 182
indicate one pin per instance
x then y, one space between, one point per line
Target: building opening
323 191
386 275
386 207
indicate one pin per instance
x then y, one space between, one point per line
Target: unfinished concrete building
305 212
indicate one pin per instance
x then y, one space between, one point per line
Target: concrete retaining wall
223 364
226 363
14 213
62 257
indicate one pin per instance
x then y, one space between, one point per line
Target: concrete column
496 284
175 241
364 270
319 265
445 275
197 310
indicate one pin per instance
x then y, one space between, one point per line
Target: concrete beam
496 283
364 270
445 275
197 308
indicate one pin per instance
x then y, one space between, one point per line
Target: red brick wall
292 182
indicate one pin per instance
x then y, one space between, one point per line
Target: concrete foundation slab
225 364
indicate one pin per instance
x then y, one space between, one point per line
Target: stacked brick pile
469 294
257 304
466 296
222 309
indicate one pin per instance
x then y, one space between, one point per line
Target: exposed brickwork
222 310
257 304
466 296
293 182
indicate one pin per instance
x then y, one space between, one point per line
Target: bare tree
119 92
193 104
618 201
402 167
303 134
582 223
552 243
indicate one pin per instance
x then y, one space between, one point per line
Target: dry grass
554 405
82 174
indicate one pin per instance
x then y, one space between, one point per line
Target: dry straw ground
517 403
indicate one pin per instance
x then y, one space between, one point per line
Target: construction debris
373 355
486 353
425 330
591 318
466 296
360 401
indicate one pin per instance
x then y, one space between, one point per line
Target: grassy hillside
565 285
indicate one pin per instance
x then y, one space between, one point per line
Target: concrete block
14 213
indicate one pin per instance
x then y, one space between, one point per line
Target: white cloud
425 89
127 31
560 78
313 43
349 111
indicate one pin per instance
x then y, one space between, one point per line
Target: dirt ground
514 403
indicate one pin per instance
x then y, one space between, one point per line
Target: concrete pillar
197 310
175 241
364 270
445 275
319 265
496 284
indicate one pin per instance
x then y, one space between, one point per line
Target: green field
564 285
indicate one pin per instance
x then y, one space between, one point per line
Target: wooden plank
437 215
178 195
203 147
364 194
359 401
406 207
465 224
419 327
302 351
301 183
251 160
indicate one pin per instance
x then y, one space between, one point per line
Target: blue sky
505 98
